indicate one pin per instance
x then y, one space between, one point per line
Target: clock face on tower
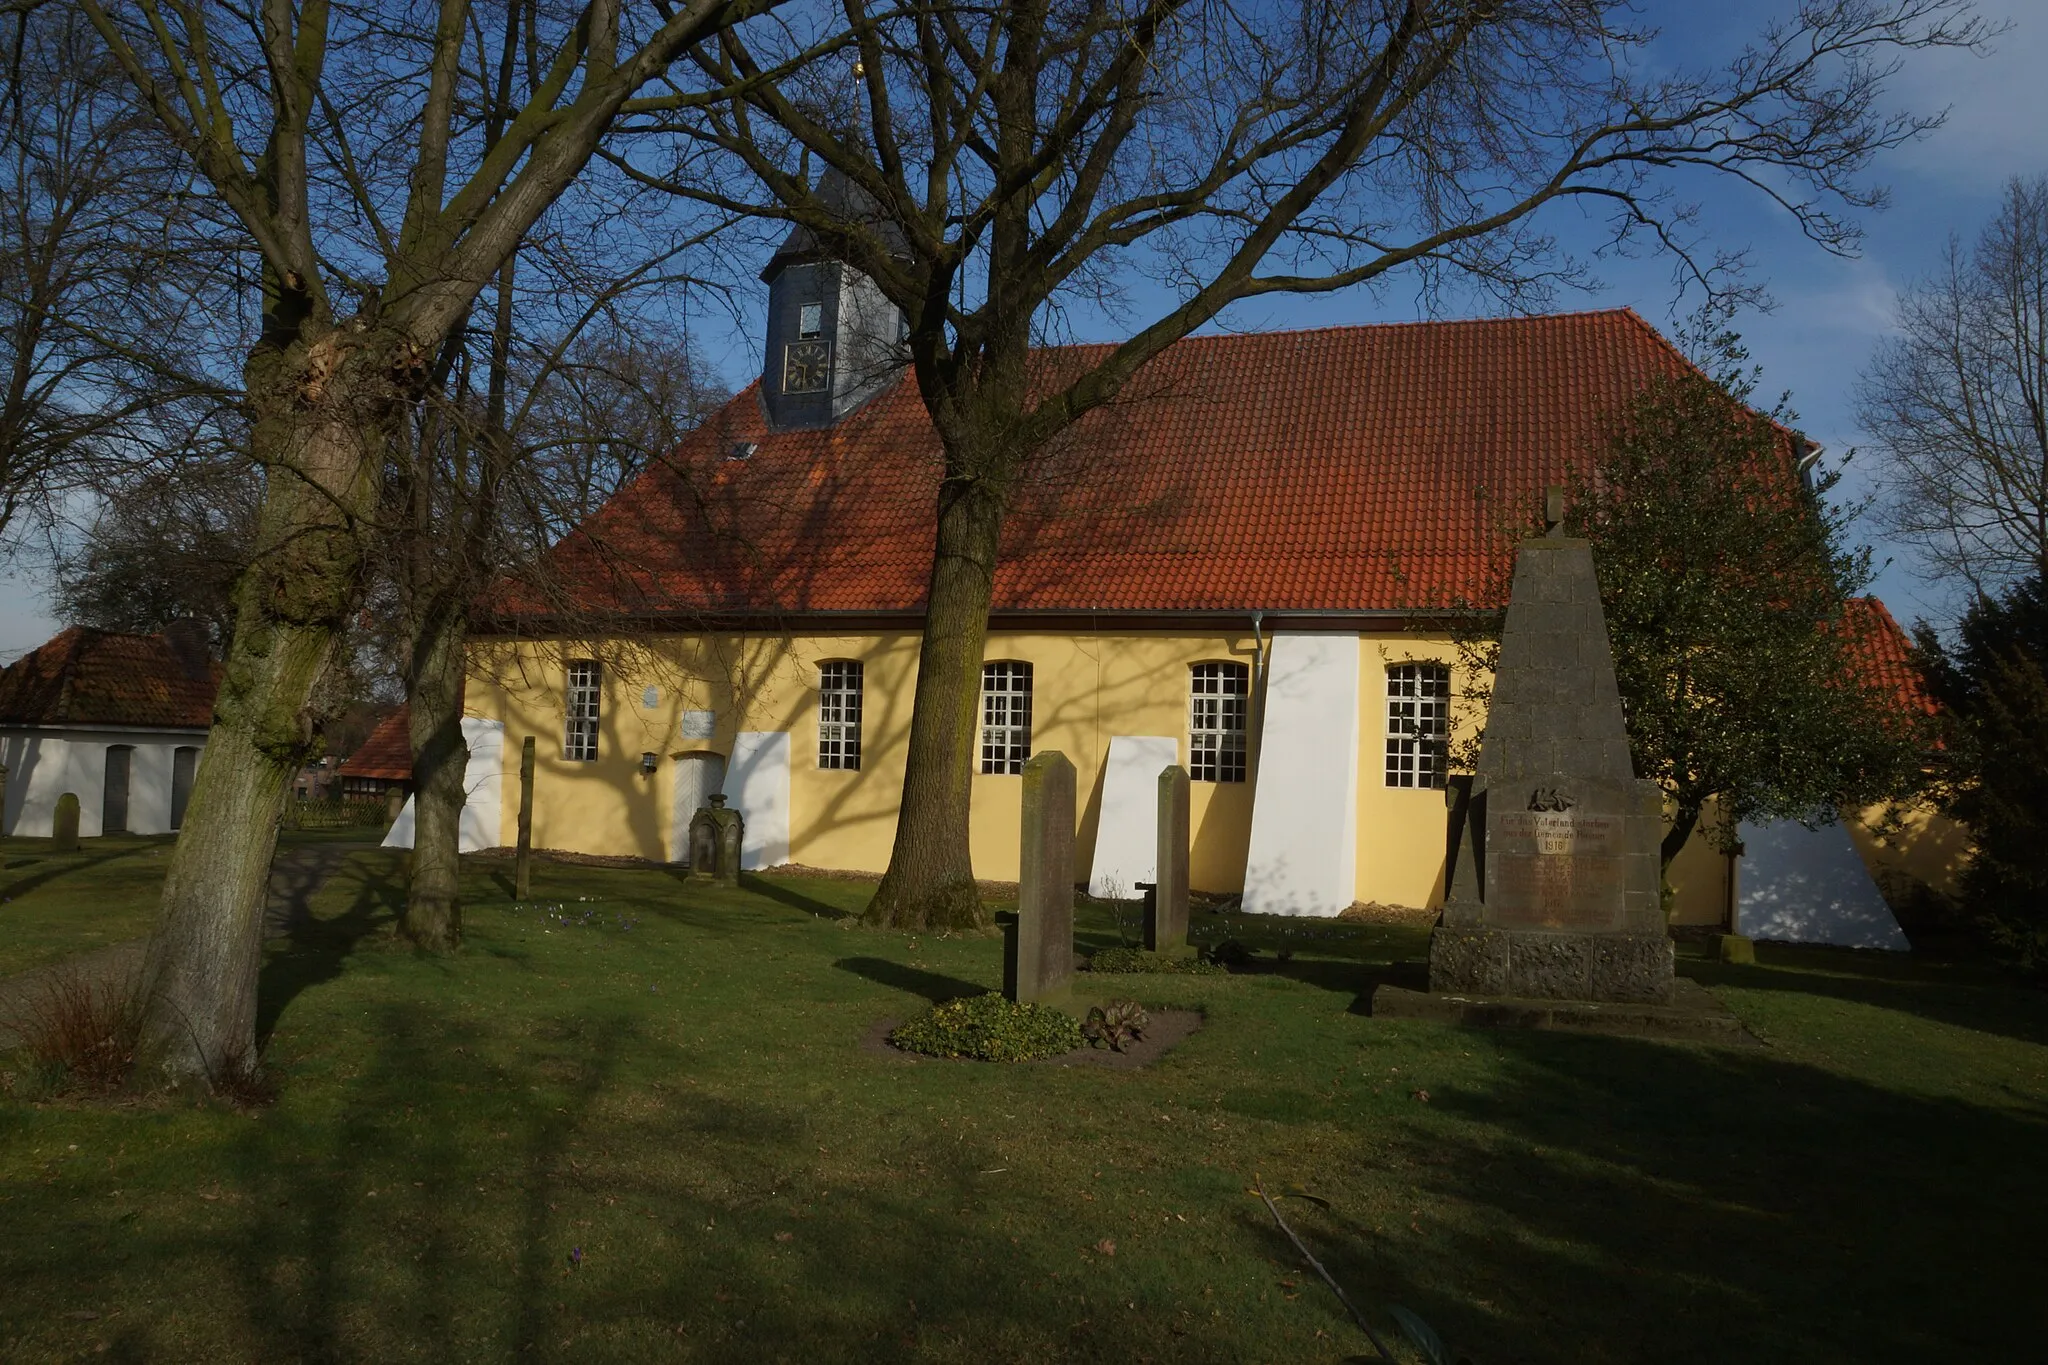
807 367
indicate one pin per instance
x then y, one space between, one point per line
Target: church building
1245 565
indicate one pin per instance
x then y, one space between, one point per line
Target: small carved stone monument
64 825
1166 903
1038 945
1554 872
715 838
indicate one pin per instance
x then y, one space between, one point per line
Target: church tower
834 339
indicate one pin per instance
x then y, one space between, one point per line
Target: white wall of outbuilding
45 762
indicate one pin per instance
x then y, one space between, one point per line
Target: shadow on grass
1586 1200
933 986
557 1203
1971 996
55 865
789 896
315 947
1605 1201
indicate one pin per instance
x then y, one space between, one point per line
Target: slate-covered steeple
834 340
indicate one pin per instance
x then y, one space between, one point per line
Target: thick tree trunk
321 410
930 881
1683 822
440 758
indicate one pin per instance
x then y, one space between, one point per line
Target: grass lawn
635 1122
55 904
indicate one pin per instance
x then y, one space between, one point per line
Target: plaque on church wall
699 724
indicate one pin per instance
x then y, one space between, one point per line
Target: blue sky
1830 312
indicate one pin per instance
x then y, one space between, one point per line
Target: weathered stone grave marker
1166 902
1038 944
64 825
1554 865
715 838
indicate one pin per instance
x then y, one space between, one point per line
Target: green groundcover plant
989 1028
1137 960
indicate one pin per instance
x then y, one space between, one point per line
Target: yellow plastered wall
1401 830
1086 689
1909 844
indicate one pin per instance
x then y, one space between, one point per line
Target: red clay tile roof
98 677
1883 655
1345 469
387 753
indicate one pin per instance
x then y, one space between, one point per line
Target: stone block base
1529 965
1736 949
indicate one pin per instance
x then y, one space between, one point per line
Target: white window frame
1418 724
1219 701
582 703
810 320
841 683
1005 716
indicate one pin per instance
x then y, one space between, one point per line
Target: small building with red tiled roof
1242 565
117 720
382 763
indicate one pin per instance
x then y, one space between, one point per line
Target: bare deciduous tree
1025 155
104 263
495 471
1958 402
377 229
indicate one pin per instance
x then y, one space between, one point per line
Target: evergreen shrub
989 1028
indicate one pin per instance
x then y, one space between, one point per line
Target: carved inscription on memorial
1555 869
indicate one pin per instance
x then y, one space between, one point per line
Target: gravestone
1166 904
64 824
1554 869
1038 947
716 834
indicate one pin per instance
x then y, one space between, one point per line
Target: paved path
296 875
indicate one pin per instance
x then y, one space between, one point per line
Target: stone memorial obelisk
1554 871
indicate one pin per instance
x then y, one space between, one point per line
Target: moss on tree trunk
322 411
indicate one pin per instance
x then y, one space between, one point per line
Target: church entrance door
697 777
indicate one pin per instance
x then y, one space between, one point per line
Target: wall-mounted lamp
647 762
